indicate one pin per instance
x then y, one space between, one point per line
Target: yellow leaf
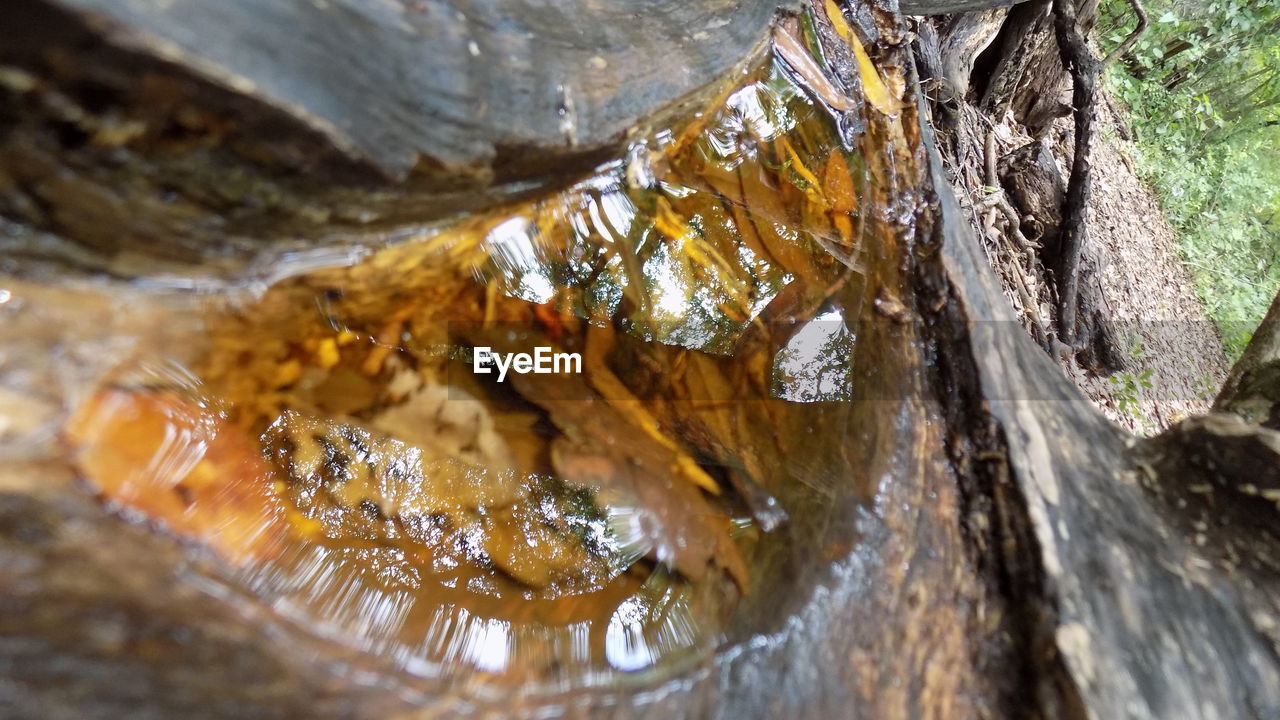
327 355
613 390
837 20
872 85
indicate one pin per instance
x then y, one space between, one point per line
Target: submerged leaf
876 90
603 449
807 68
435 501
168 457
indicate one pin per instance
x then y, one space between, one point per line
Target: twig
1122 48
992 180
990 164
1077 58
1025 245
997 201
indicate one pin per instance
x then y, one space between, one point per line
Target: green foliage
1137 348
1207 388
1128 391
1203 91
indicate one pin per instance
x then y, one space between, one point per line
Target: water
327 441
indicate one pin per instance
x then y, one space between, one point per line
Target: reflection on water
817 363
330 442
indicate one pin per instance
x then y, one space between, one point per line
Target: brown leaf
603 449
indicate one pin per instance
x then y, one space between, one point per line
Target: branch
1083 67
1124 47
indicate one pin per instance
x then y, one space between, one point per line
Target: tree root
1020 248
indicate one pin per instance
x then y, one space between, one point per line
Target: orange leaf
179 463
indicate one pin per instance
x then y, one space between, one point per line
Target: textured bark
1143 628
1024 70
1252 390
243 126
1031 176
368 74
1101 348
942 7
962 39
1021 41
1019 557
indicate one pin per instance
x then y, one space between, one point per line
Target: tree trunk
969 538
963 38
1024 71
1252 390
315 128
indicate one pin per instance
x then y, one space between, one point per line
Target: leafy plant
1202 88
1206 387
1137 349
1128 391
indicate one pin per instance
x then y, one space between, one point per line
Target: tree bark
945 7
1026 70
962 39
1016 556
378 115
1252 390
